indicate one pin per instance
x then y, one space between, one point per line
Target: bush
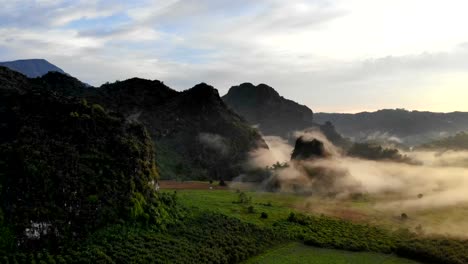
242 198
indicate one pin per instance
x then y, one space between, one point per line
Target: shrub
242 198
404 216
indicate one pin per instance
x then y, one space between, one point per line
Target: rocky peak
308 149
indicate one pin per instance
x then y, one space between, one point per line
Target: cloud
332 55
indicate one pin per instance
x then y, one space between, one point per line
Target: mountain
409 127
275 115
196 136
261 105
32 68
67 167
308 149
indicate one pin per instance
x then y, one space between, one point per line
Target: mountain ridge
410 127
183 125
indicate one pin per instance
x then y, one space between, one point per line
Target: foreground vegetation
275 211
199 238
302 254
238 228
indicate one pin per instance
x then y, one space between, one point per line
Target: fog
438 183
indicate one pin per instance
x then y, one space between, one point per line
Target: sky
331 55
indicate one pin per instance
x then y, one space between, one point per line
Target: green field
349 226
302 254
279 205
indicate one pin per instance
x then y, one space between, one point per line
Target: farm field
279 205
302 254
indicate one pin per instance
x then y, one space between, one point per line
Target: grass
299 253
277 206
433 221
369 229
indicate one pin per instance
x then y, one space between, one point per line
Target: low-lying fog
440 181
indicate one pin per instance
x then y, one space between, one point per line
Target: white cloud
332 55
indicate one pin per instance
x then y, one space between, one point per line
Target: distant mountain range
32 68
409 127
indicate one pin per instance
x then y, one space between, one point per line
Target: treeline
372 151
456 142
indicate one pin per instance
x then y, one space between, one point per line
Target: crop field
349 225
279 205
301 254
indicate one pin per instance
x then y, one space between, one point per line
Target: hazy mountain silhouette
411 127
32 68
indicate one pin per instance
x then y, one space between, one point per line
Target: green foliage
457 142
340 234
199 238
376 152
70 168
299 253
243 198
251 209
326 231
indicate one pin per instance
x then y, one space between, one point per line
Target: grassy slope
298 253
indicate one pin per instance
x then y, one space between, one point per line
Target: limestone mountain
263 106
32 68
195 134
275 115
308 149
68 167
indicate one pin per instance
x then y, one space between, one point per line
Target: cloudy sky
332 55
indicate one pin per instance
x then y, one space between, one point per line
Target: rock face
183 125
261 105
68 167
32 68
304 150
